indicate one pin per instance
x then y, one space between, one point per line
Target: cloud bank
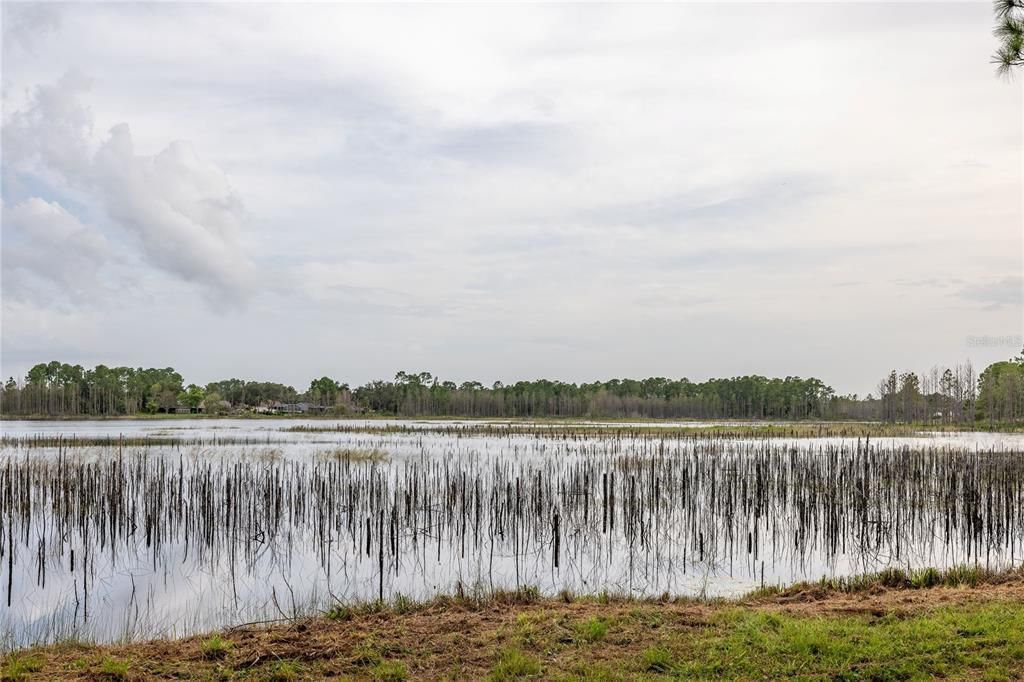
179 209
353 189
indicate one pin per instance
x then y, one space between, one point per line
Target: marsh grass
636 510
655 429
595 629
896 578
561 429
351 454
268 455
402 604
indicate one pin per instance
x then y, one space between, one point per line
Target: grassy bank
888 626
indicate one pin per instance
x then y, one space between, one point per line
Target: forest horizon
950 394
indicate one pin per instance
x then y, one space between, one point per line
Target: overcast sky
576 192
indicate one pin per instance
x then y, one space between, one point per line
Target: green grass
596 672
367 655
338 612
17 667
113 669
403 604
390 671
982 642
658 660
528 628
592 630
513 663
216 648
929 577
284 671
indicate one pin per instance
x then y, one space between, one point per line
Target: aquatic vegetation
351 454
263 532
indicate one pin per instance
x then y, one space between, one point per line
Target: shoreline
963 623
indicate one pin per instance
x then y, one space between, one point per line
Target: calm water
237 521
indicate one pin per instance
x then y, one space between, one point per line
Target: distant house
278 407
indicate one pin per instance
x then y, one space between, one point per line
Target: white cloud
49 257
180 210
27 23
51 137
183 211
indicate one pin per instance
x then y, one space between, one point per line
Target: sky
578 192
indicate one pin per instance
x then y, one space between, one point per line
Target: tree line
950 395
752 397
954 394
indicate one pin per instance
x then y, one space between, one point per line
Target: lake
140 529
